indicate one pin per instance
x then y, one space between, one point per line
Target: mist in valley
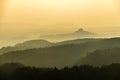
13 33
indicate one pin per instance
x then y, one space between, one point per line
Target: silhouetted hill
60 55
34 44
78 41
30 44
102 57
27 45
80 33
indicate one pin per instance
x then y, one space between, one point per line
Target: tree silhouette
17 71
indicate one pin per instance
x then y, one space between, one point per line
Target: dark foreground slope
59 56
19 72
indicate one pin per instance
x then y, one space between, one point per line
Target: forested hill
59 56
102 57
30 44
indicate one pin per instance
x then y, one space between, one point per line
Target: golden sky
57 16
80 12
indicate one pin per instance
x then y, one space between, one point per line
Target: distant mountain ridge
82 32
79 34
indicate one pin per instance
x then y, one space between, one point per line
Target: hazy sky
57 16
45 12
83 12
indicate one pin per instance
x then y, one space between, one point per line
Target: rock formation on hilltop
80 33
